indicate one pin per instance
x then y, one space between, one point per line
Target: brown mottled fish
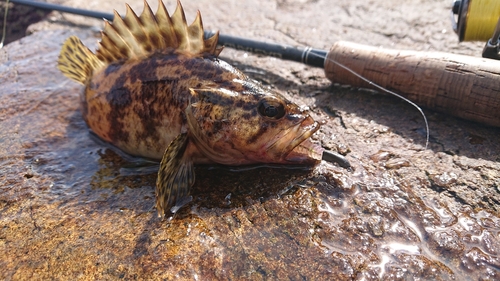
155 88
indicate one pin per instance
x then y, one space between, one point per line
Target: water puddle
397 235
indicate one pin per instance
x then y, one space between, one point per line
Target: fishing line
307 53
476 19
4 23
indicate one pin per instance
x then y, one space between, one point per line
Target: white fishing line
4 23
380 88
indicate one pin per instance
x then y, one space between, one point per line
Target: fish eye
271 108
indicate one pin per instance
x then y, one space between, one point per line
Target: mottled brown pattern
138 105
155 99
227 127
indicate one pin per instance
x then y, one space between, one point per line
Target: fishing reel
478 20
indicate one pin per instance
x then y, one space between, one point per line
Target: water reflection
369 227
406 236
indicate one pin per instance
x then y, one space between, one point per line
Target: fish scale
155 88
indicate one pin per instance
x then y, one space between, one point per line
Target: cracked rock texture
72 208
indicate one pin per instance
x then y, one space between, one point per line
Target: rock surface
72 208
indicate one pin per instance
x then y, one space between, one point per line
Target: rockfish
156 88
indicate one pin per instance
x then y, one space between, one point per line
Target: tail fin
76 61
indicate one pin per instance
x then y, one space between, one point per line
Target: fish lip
299 149
302 149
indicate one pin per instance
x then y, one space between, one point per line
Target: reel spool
478 20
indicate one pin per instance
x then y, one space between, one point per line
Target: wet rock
446 241
72 207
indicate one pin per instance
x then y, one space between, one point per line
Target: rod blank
64 9
462 86
309 56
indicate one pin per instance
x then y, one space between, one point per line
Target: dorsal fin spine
165 26
138 37
120 34
105 45
150 25
196 30
179 25
112 32
134 37
211 44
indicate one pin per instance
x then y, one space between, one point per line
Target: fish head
253 126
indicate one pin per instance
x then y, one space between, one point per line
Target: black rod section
308 55
64 9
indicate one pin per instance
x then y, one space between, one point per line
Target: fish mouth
306 151
296 145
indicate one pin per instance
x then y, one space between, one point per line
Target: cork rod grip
462 86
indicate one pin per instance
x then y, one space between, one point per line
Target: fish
156 88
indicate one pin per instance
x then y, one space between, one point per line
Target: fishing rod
463 86
310 56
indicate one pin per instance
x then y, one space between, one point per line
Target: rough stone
71 207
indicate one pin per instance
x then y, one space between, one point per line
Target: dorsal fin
135 37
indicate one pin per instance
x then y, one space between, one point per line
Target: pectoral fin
175 177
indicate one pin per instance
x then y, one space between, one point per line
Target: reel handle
462 86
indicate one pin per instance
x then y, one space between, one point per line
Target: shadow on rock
448 134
